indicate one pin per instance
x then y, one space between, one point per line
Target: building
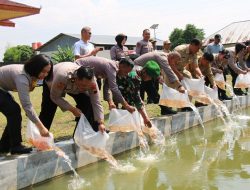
11 10
104 41
233 33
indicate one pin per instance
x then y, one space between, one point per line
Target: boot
186 109
167 110
4 149
20 149
223 96
238 92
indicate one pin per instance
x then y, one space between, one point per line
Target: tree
19 53
192 32
63 54
176 37
179 36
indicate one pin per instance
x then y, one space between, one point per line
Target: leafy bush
19 53
63 54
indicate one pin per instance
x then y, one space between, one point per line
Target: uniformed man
129 85
237 65
166 46
106 68
142 47
164 60
189 57
219 65
153 41
81 84
205 66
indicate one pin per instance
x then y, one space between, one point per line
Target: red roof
11 10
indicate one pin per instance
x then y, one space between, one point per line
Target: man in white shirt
83 48
215 46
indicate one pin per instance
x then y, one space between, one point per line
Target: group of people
126 77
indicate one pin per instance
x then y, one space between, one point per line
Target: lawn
63 123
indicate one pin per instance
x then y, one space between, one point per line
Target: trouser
234 76
207 82
11 136
48 108
150 88
99 83
221 92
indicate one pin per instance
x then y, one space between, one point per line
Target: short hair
126 61
195 42
247 43
85 29
145 30
208 56
85 73
174 54
35 65
239 47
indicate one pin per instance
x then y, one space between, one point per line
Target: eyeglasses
88 32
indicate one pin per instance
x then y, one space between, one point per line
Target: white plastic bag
87 137
220 81
195 87
242 81
33 136
123 121
212 93
173 98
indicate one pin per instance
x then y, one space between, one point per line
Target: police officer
119 50
164 60
189 56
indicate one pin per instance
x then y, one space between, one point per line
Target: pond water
220 162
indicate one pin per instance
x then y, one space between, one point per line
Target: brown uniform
217 66
117 52
162 59
61 84
207 72
104 68
186 59
143 47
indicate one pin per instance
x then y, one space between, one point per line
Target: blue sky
115 16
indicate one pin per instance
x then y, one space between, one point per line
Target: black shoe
225 98
4 150
199 104
167 111
20 150
238 92
186 109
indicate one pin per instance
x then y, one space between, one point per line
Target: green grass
63 124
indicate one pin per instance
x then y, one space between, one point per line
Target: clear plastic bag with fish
173 98
33 136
